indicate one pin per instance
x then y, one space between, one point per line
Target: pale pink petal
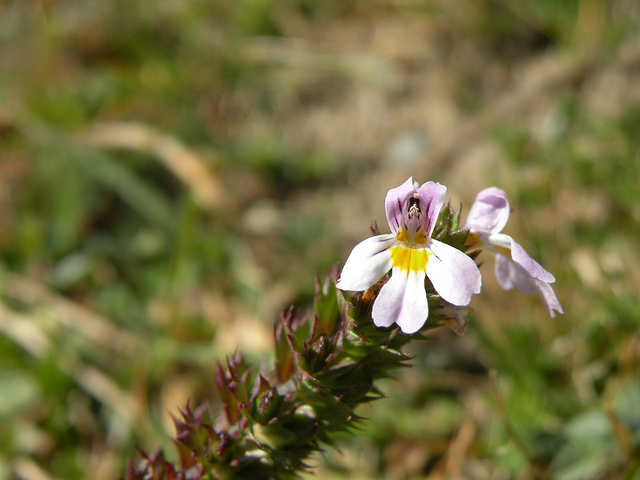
367 263
394 202
509 275
402 300
492 240
415 308
533 268
490 211
504 244
453 274
549 297
432 198
386 308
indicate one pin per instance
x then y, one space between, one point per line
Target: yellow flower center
418 238
409 259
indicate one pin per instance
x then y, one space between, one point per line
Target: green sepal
266 406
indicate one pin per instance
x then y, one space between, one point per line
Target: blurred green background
173 173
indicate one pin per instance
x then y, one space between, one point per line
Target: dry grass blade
309 57
620 430
517 440
459 448
91 325
24 332
109 393
183 162
27 469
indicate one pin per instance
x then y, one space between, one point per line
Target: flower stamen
414 206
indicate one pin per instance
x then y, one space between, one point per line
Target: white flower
514 267
411 254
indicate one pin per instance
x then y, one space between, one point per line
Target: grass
175 173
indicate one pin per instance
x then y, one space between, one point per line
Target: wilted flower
514 267
411 254
454 317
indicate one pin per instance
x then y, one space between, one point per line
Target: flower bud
266 406
222 445
317 354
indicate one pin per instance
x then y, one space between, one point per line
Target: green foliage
118 289
327 364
